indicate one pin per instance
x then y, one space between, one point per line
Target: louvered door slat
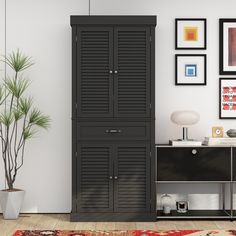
95 189
132 82
95 83
132 187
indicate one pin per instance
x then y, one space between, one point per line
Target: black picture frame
191 47
202 77
229 114
224 50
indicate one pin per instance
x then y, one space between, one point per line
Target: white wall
41 29
2 70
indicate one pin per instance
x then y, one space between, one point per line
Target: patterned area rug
126 233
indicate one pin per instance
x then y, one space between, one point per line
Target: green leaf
18 114
16 87
18 61
25 105
7 118
43 122
28 133
38 119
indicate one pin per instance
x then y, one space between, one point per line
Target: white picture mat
182 61
226 27
190 23
227 83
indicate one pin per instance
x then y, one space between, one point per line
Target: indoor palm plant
19 121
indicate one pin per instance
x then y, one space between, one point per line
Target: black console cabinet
113 118
197 165
194 164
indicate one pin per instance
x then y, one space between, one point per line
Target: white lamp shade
185 118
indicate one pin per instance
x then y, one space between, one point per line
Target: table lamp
185 119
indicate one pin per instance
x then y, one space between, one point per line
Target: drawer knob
113 131
194 151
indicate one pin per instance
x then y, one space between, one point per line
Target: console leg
223 195
231 199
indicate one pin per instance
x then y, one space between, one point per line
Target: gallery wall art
190 69
190 33
227 37
227 93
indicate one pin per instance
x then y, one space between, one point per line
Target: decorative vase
166 203
231 133
11 202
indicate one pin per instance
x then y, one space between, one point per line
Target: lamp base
185 133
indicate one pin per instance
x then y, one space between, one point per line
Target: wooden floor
61 221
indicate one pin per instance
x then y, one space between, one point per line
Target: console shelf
196 214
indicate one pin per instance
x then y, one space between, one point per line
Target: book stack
219 141
182 143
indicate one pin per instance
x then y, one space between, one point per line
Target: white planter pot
11 203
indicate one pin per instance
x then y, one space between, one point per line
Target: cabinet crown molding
113 20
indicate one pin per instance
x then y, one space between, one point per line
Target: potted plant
19 121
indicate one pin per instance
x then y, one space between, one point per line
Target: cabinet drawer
113 131
193 164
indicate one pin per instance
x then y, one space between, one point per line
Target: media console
203 164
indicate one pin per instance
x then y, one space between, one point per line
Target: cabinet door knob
115 72
110 177
194 151
110 72
116 177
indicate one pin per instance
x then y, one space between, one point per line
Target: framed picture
227 98
190 33
190 69
227 57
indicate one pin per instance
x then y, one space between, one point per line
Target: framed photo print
190 33
190 69
227 98
227 57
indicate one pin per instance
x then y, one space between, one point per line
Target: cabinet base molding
112 217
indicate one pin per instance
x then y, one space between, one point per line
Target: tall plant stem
8 145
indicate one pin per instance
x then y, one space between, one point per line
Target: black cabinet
113 123
204 164
193 164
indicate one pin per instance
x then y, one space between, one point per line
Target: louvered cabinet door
94 186
94 63
132 72
132 178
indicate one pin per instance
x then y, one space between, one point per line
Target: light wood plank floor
61 221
